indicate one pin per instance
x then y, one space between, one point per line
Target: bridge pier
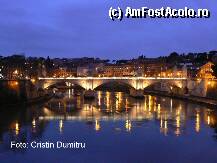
137 93
198 88
89 94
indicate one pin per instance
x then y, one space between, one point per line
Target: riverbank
30 101
193 99
39 99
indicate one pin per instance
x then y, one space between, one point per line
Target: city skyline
108 81
83 29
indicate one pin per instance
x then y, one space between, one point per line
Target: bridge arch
117 85
167 86
45 84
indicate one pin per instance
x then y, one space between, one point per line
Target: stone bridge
195 87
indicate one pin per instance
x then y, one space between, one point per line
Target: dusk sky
79 28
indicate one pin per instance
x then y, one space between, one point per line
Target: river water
111 128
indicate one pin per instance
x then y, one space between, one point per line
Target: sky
82 28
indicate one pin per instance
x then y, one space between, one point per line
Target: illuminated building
121 70
205 71
60 72
90 70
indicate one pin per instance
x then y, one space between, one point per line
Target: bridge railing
110 78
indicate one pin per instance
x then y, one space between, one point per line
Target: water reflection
115 110
170 115
17 128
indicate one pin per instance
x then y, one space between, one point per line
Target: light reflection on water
170 115
111 113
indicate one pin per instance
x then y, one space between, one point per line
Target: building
94 69
156 69
123 70
60 72
205 71
83 71
180 71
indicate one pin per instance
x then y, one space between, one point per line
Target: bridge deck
113 78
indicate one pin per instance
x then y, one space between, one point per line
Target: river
113 127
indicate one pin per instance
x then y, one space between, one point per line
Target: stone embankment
211 103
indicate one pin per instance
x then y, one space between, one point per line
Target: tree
141 57
202 58
214 68
48 63
173 58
